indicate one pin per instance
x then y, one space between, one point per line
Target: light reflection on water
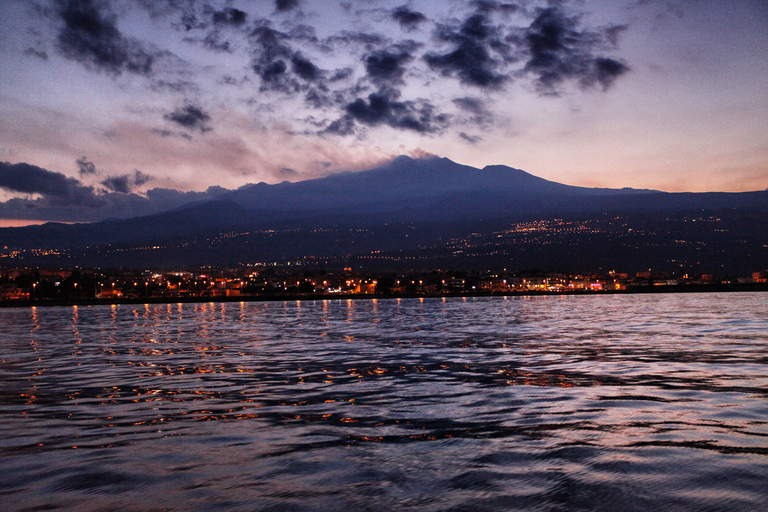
530 403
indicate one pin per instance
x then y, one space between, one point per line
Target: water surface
631 402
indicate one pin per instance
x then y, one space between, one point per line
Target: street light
34 285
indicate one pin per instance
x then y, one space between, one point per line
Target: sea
548 403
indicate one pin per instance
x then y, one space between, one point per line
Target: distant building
109 293
12 291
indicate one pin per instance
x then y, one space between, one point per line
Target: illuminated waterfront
631 402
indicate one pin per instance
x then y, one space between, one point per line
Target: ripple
533 403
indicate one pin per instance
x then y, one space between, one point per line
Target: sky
113 109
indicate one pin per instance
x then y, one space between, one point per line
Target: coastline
704 288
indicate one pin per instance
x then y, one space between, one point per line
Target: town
95 285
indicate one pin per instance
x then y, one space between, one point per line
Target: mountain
422 185
407 205
437 189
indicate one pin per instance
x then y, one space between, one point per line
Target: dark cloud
367 41
85 167
341 74
169 133
190 117
605 72
472 139
229 16
383 108
140 178
180 86
408 18
320 97
479 112
473 105
559 51
67 199
286 5
304 68
553 47
90 36
280 67
274 71
118 184
388 66
271 53
471 59
55 187
214 42
125 183
216 39
488 6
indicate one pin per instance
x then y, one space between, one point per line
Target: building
11 291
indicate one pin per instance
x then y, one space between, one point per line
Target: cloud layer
53 196
349 82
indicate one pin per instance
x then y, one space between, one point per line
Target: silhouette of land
417 215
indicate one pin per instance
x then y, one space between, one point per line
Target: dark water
645 402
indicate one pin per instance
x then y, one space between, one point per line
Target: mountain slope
403 183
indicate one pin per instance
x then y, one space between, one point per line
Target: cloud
85 167
125 183
90 36
230 16
33 52
558 51
471 58
271 53
408 18
58 188
216 39
388 66
286 5
140 178
604 71
488 6
476 108
472 139
66 199
118 184
190 117
176 86
368 41
382 108
169 133
280 67
304 68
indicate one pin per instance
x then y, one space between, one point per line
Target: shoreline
710 288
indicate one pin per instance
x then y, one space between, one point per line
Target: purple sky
102 102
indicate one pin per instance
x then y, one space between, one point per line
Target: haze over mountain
405 205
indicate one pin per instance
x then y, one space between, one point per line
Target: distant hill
406 205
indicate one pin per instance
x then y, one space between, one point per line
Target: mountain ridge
402 180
